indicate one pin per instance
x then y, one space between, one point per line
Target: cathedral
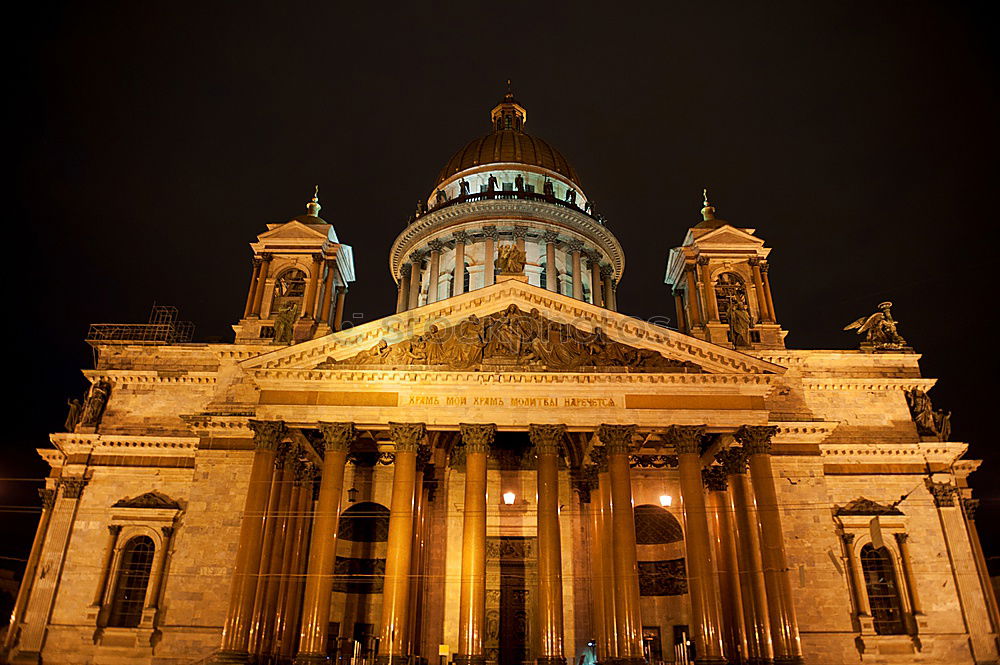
506 469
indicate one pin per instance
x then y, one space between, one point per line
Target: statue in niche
879 329
73 416
93 406
510 260
283 322
463 185
739 323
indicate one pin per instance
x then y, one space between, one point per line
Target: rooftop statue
879 330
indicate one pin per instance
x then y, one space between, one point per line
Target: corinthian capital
267 434
686 438
756 439
617 439
546 438
714 478
733 461
477 438
599 456
407 435
73 487
48 498
337 437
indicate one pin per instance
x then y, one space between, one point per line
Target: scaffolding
162 328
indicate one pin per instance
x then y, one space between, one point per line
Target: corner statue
510 260
879 330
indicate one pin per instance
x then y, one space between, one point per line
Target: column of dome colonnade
337 439
703 588
268 435
617 440
394 644
443 259
477 440
547 440
756 441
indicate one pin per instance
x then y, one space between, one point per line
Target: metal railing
162 328
500 194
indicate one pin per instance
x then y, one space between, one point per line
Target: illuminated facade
506 469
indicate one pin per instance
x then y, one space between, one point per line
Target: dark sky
153 141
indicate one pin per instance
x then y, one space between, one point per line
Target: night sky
152 142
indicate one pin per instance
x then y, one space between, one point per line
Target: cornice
269 376
875 383
803 432
514 209
560 308
208 425
923 452
125 376
69 443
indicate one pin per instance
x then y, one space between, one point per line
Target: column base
467 659
760 661
390 659
551 660
311 659
634 660
788 660
711 661
26 658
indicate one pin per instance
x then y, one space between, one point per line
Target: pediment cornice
492 299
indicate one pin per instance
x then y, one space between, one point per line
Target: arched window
883 593
365 522
133 578
289 289
661 572
656 526
729 285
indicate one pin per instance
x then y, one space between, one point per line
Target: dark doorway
514 629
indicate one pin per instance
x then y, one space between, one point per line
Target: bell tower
298 283
721 288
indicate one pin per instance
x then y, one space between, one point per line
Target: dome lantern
508 114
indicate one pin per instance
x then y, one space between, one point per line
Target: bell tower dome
721 288
506 193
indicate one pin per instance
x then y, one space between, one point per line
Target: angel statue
879 329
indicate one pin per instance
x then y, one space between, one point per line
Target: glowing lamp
509 497
666 500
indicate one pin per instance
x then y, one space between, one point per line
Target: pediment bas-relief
148 500
863 506
513 340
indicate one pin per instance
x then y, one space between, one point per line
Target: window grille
133 579
656 526
883 592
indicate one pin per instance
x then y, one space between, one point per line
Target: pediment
148 500
863 506
516 327
294 230
728 236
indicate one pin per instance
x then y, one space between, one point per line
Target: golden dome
508 143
